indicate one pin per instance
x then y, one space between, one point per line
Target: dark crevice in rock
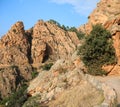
19 78
29 53
48 52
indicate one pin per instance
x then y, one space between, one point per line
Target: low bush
34 73
97 50
47 66
16 99
80 35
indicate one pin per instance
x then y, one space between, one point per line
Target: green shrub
47 66
54 22
16 99
34 73
97 50
79 34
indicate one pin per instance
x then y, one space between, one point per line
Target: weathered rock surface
34 46
51 41
106 10
14 60
14 46
10 78
114 82
45 40
107 13
61 77
66 86
113 26
79 96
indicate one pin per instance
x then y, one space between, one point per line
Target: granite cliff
23 51
107 13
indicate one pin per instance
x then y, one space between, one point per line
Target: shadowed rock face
9 79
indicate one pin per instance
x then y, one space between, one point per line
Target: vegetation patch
97 50
34 73
47 66
79 34
16 99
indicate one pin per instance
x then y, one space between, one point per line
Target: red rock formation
107 13
22 48
14 46
114 27
51 41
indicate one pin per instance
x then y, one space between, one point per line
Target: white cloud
83 7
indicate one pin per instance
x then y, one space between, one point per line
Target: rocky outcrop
14 46
106 10
50 41
45 40
24 49
65 85
10 78
113 26
14 61
63 77
107 13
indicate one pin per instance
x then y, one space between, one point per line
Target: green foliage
54 22
16 99
34 73
97 50
47 66
80 35
32 102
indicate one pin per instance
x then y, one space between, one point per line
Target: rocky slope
107 13
64 85
50 41
14 46
106 10
14 64
30 48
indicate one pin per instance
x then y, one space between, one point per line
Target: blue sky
67 12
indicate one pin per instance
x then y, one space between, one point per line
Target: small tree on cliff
97 50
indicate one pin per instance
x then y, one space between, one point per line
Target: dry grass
80 96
